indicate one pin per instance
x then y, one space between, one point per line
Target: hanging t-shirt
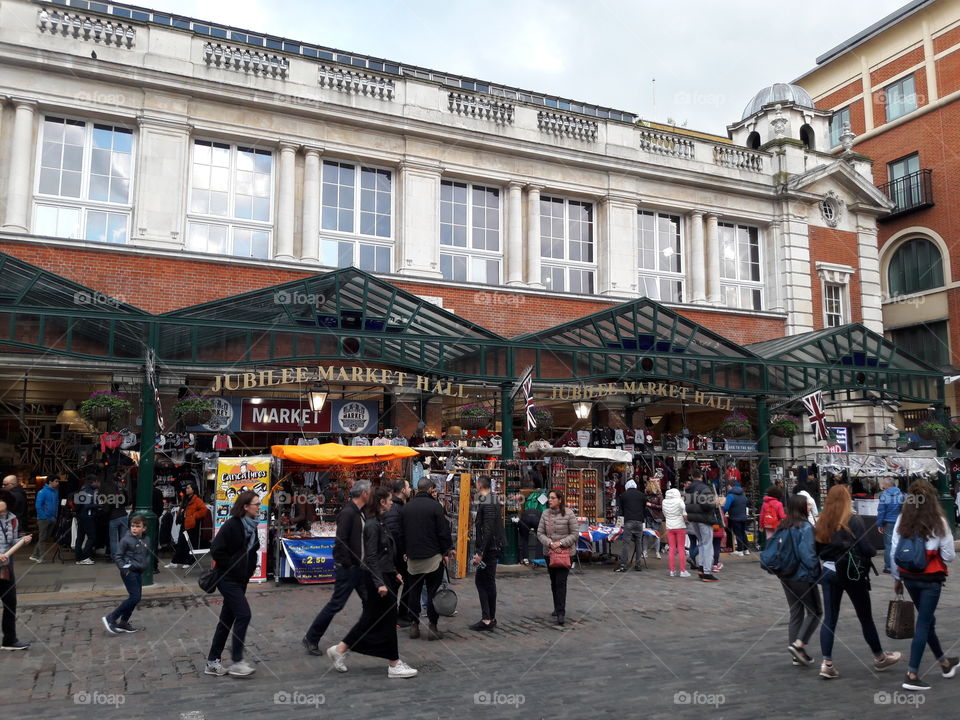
128 440
618 437
222 441
583 438
110 441
360 441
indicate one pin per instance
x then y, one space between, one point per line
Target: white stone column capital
533 188
516 184
309 150
696 213
24 102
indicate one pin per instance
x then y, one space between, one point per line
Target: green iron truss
351 317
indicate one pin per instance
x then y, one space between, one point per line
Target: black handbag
209 580
445 599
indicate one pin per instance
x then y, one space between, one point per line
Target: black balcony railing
911 192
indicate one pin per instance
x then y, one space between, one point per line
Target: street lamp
317 396
582 409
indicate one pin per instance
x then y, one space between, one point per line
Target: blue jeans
118 528
925 596
887 542
133 582
346 580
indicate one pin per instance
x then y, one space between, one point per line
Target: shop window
915 266
661 256
900 98
928 342
231 200
839 120
566 236
83 185
470 247
741 282
356 217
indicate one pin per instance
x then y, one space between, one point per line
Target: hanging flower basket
735 425
193 410
543 417
785 426
105 406
475 417
934 431
954 432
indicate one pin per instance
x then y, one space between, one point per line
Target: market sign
355 416
278 415
333 374
657 389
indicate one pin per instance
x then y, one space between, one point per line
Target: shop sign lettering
656 389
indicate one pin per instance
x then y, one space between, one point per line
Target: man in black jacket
633 505
427 540
11 483
488 543
701 505
87 503
401 492
347 553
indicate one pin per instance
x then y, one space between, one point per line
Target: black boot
560 618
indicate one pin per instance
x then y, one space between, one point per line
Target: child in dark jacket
132 557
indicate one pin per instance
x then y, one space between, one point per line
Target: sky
693 62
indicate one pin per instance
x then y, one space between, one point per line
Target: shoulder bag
445 599
558 558
900 619
209 580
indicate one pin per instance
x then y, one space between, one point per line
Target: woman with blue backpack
798 576
921 546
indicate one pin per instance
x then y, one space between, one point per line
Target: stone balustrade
663 144
354 82
84 27
241 59
481 108
734 157
567 126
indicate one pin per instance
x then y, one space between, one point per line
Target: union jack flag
528 397
818 418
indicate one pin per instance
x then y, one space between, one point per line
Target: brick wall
947 40
160 284
841 96
948 73
840 247
895 67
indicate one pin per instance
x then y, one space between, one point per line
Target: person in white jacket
921 516
675 521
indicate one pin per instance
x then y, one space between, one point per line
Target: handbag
559 558
209 580
900 619
445 599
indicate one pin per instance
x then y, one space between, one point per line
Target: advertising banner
354 417
310 559
225 418
277 415
234 476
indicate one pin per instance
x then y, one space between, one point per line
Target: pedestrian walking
114 499
10 542
800 588
401 492
921 521
234 550
806 490
771 511
528 524
18 498
888 510
633 508
48 507
653 518
347 554
428 541
192 513
846 553
132 557
488 542
558 533
375 633
87 506
701 508
675 520
735 506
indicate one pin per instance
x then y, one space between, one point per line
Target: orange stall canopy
336 454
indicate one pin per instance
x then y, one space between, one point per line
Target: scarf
250 530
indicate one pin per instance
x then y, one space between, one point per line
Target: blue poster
226 416
311 559
355 417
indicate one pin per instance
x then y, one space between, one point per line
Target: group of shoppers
834 556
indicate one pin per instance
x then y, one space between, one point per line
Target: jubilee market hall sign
379 376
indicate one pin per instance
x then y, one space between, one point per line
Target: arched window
753 140
807 137
915 266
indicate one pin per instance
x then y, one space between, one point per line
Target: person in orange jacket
192 512
771 512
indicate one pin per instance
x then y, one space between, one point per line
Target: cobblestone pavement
636 644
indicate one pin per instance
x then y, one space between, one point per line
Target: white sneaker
36 559
170 565
215 668
659 556
241 669
88 561
746 552
672 573
684 573
644 553
337 659
401 670
737 553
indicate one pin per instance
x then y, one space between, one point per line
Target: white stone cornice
420 166
152 121
834 273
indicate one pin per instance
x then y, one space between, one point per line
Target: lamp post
148 432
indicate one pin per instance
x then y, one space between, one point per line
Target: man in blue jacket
48 504
887 513
735 506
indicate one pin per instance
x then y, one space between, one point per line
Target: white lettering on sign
285 416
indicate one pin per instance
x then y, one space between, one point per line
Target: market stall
307 554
